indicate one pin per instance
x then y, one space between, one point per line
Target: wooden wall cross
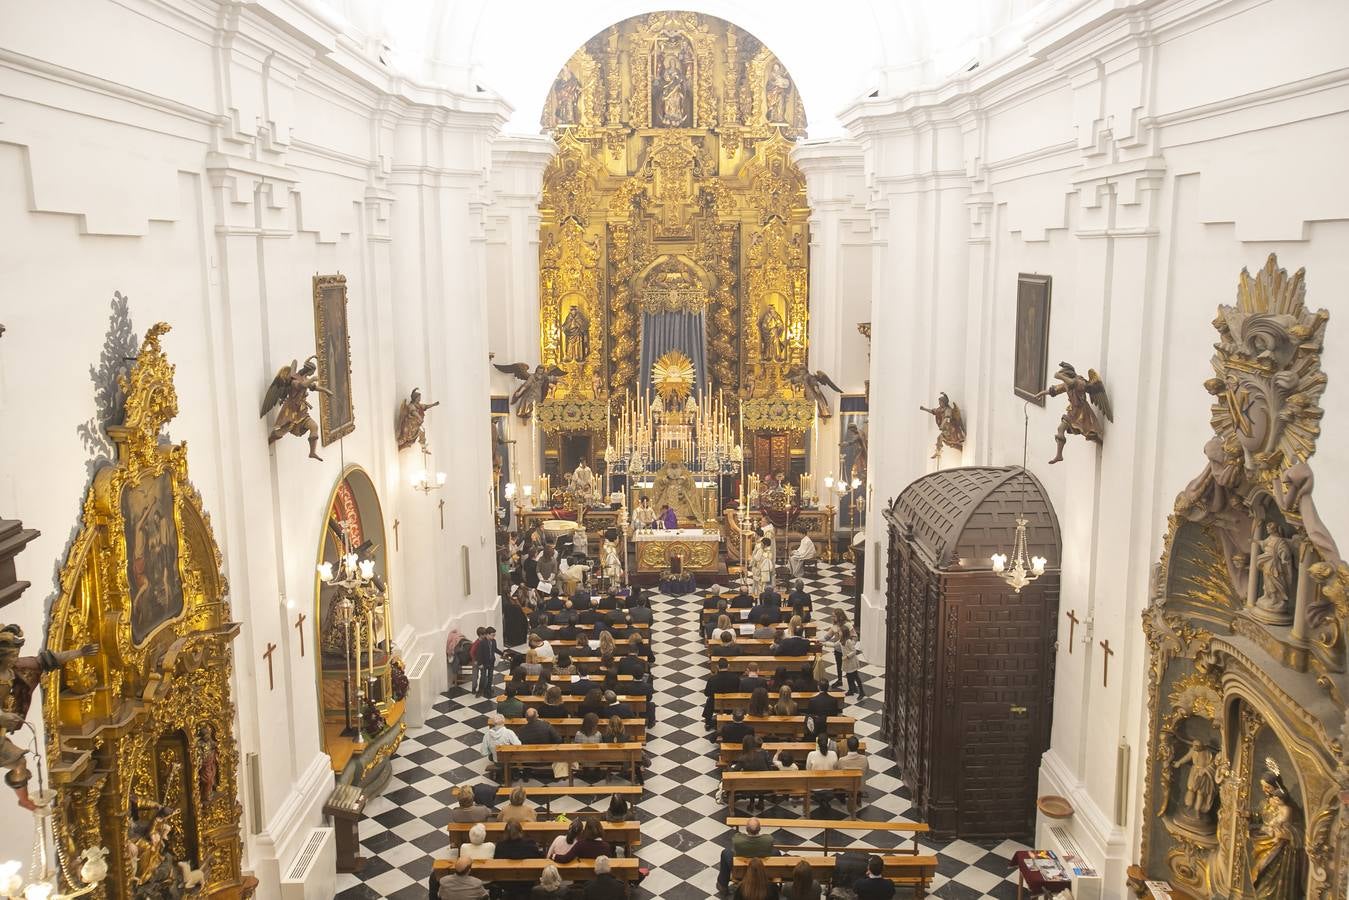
396 523
1105 670
442 513
1072 628
299 626
271 648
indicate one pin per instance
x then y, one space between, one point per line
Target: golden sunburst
672 375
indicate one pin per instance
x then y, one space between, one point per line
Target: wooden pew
808 628
572 701
792 783
625 868
916 871
767 664
635 729
911 829
799 749
791 727
628 834
754 645
629 755
543 797
785 613
736 700
565 682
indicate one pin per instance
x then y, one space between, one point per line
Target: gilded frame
332 345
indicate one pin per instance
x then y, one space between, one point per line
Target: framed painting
337 417
151 555
1031 364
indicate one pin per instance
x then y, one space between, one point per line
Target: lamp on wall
423 480
1022 570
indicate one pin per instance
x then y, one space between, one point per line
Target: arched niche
355 656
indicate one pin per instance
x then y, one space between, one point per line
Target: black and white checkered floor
683 828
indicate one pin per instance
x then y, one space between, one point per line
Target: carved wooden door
772 454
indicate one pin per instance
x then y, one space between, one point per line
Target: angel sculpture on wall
412 420
19 677
1079 417
810 384
950 424
537 385
290 391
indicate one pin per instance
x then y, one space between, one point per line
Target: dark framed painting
151 555
337 416
1031 365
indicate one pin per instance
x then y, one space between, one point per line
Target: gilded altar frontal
673 218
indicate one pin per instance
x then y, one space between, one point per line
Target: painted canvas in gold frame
152 554
1031 364
332 342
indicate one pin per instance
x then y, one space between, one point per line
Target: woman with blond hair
516 810
785 706
550 885
607 645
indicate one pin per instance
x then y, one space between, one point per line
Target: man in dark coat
724 681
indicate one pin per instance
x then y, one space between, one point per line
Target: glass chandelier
41 883
1022 570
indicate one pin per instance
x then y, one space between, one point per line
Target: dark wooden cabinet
969 687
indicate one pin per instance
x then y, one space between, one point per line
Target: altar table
698 548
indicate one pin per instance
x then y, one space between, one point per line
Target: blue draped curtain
666 331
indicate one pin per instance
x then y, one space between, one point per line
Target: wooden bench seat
793 784
635 729
492 870
627 834
564 681
572 701
710 613
757 645
739 700
911 829
628 755
912 870
544 796
789 727
767 664
799 749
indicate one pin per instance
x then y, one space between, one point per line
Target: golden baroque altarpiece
1246 775
673 190
140 736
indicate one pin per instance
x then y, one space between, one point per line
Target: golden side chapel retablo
140 735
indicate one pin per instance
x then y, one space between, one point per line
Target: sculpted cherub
290 390
1079 417
812 384
412 420
950 424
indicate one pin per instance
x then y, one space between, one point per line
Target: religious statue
1210 492
207 762
672 85
1079 417
673 486
855 439
1275 562
290 391
777 94
950 424
812 385
19 676
1274 857
576 335
583 485
156 872
772 336
1200 785
412 420
537 385
566 94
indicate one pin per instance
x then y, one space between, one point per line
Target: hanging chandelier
1024 568
42 880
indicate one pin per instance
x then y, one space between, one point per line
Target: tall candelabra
650 431
362 603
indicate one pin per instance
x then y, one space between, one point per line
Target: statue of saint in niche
1201 787
777 95
566 95
1275 562
672 96
772 336
576 336
1275 865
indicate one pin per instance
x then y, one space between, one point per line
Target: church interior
463 449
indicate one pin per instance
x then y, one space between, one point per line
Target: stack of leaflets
1160 890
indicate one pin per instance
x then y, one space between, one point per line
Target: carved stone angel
950 424
1079 417
537 385
812 384
290 391
412 420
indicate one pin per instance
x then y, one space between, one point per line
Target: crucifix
442 513
1072 628
1105 669
271 648
299 626
396 523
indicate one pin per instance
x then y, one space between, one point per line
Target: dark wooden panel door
995 772
772 454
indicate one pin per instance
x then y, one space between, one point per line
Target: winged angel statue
812 384
290 390
536 387
1079 417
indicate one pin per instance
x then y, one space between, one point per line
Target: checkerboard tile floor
683 828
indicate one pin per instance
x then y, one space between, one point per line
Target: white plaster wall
206 160
1141 154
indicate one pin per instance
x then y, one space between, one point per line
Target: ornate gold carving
573 415
696 554
142 720
795 414
673 286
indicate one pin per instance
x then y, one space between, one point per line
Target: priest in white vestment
804 552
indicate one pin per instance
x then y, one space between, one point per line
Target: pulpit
969 674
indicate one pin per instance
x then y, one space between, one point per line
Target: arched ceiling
836 51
